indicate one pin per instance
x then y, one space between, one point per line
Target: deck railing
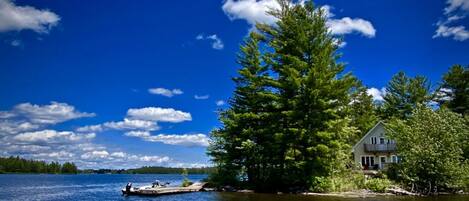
380 147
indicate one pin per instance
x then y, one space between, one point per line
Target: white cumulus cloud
458 33
95 155
157 159
201 97
377 94
12 126
53 113
348 25
216 42
447 27
159 114
254 11
188 140
52 137
132 124
220 102
165 92
17 18
454 5
91 128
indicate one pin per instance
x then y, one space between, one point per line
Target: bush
430 144
222 177
322 184
377 185
186 182
392 172
344 182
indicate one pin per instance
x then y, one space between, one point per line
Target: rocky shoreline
351 194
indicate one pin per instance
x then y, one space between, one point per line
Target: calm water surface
107 187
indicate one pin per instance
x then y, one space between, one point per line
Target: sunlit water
107 187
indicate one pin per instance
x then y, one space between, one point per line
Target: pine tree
454 91
238 144
363 113
312 92
403 94
287 125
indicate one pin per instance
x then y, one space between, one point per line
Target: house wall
359 149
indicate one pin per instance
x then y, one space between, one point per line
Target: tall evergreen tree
287 125
241 144
454 91
311 90
403 94
363 112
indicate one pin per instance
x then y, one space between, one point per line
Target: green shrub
392 172
186 182
378 185
340 183
322 184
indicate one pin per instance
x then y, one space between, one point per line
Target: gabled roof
369 132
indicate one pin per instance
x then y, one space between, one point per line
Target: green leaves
430 144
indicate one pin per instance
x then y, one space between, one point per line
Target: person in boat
156 184
128 187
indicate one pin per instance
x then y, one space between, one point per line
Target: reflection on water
107 187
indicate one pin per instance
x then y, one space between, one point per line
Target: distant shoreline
34 173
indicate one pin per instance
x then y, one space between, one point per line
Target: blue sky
123 84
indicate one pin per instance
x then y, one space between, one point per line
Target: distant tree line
295 114
150 170
169 170
16 164
20 165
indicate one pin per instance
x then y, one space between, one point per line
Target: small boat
158 188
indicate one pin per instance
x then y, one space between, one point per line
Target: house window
381 140
373 140
368 161
394 158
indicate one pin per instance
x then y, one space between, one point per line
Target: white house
375 149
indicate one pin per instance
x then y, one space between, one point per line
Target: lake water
107 187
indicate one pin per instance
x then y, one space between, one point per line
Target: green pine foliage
363 112
454 90
403 94
288 121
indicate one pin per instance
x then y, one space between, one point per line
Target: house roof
368 133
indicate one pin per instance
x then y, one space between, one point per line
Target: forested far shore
20 165
151 170
16 164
